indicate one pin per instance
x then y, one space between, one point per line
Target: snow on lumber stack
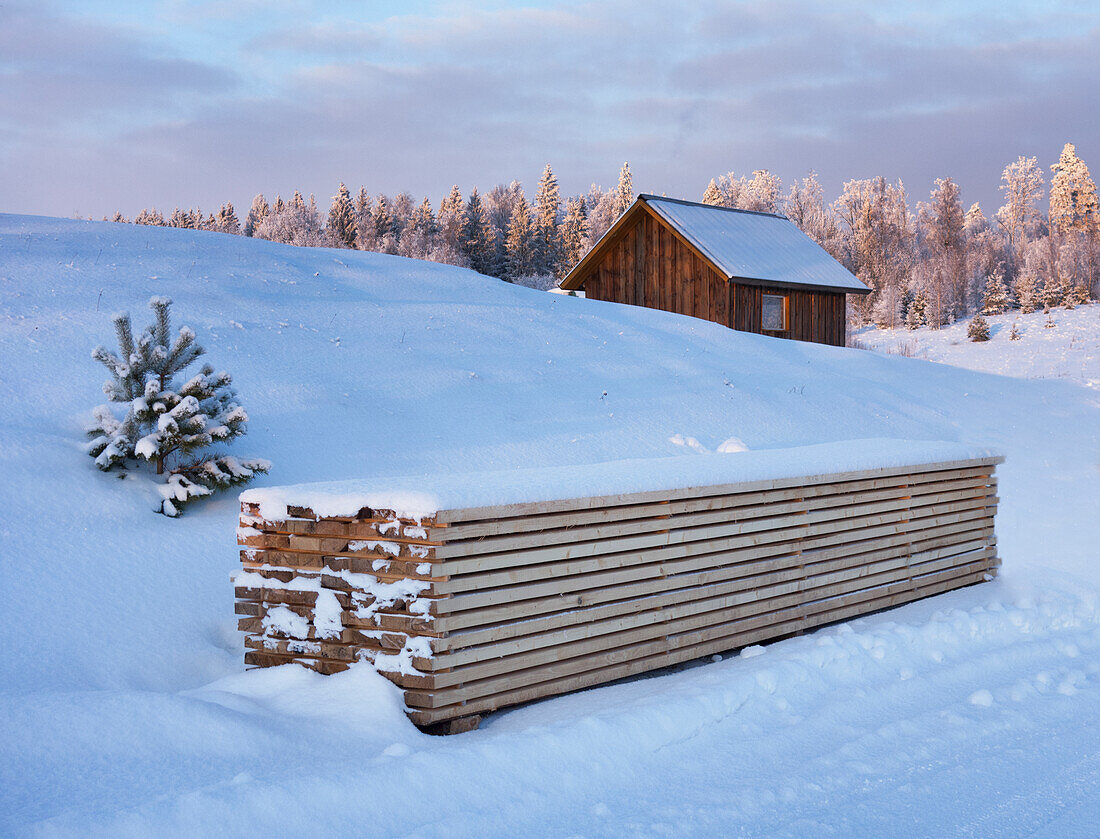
473 592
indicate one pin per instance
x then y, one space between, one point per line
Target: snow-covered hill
124 708
1064 345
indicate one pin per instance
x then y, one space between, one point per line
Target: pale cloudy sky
107 105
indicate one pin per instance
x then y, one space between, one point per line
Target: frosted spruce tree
574 233
1079 294
477 243
256 214
712 194
915 314
547 219
364 224
167 425
520 246
150 217
383 223
995 295
342 226
226 221
978 330
1027 292
451 221
624 191
1054 291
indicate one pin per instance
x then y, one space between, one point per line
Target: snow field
124 708
851 731
1069 350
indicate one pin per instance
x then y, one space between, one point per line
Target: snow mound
464 490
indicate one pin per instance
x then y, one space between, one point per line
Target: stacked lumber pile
469 610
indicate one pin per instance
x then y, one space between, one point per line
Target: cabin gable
649 265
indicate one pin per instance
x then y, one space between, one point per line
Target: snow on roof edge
423 496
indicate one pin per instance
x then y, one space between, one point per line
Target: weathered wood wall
475 610
816 316
650 266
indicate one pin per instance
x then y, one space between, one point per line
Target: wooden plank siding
649 264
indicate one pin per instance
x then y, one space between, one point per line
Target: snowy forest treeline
1041 248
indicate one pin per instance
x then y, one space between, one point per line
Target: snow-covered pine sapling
1053 293
978 330
1079 295
1050 324
165 425
1014 335
1027 293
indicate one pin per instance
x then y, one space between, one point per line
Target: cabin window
775 313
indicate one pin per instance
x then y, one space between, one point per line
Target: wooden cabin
756 272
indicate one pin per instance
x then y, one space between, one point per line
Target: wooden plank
697 614
477 529
668 245
510 607
351 532
721 297
514 575
667 296
766 628
687 290
275 595
626 267
559 577
337 651
604 603
668 517
660 592
822 520
591 502
660 615
273 659
381 568
377 529
605 666
527 610
283 559
515 561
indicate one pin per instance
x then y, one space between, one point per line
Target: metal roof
762 247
